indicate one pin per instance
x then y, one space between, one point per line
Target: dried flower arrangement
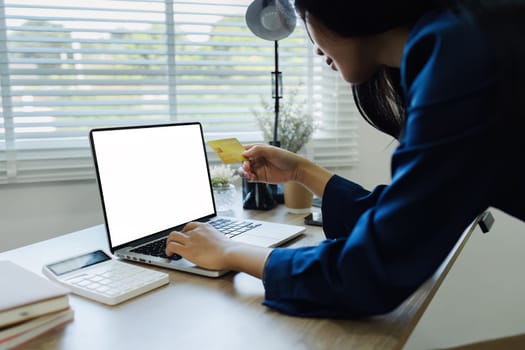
295 125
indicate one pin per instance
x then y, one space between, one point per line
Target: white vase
225 197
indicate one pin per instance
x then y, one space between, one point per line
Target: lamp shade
271 19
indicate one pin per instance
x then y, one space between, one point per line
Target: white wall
481 298
35 212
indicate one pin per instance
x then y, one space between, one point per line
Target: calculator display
78 262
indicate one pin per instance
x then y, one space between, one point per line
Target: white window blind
69 66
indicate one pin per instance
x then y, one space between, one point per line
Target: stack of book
30 305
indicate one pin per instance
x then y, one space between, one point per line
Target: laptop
154 179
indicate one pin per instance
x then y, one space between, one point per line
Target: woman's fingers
200 244
175 241
190 226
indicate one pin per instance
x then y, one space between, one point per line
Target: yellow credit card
228 150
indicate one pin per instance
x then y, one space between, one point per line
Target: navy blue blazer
457 156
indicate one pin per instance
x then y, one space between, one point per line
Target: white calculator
97 276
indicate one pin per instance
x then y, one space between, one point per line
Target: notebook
25 295
154 179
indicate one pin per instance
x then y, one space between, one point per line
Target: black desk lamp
270 20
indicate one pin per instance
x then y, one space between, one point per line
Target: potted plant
295 129
223 179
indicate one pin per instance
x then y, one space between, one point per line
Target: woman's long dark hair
380 100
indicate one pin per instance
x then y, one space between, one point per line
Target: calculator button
83 283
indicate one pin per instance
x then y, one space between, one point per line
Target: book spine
23 338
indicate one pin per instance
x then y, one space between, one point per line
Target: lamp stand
277 94
260 195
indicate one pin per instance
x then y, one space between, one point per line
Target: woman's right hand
271 164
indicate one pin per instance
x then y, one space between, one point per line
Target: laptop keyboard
155 248
230 228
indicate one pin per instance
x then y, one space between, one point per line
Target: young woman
443 79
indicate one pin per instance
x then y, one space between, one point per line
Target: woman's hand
270 164
208 248
201 244
275 165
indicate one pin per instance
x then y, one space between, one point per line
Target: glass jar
224 196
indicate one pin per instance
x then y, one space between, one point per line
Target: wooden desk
195 312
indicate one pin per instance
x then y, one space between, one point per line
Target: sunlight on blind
71 66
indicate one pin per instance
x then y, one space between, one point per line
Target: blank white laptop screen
152 179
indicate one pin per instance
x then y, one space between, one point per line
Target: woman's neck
391 45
